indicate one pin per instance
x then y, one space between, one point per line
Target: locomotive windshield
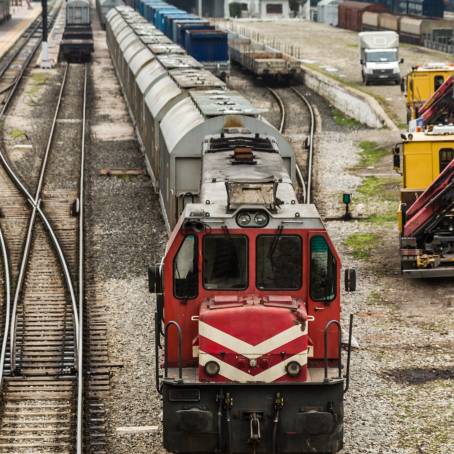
279 262
225 262
323 270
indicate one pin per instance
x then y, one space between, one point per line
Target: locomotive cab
249 312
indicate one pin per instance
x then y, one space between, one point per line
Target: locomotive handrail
180 349
349 352
325 336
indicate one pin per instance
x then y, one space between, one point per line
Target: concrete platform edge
354 103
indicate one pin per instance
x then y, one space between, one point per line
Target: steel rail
7 275
281 129
80 362
311 143
26 63
8 59
36 209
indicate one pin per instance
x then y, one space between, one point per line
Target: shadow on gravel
419 376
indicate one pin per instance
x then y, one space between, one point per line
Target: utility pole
44 45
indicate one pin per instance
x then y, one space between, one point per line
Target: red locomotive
248 307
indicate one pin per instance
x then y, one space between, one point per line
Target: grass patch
361 244
371 153
344 120
17 134
381 219
37 81
384 189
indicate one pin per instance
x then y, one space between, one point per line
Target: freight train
200 39
77 41
248 292
359 16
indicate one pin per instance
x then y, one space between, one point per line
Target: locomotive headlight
243 219
212 368
261 219
293 368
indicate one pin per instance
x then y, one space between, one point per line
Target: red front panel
184 311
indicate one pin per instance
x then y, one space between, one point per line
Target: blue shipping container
179 22
207 45
185 27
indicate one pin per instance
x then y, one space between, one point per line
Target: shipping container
351 13
180 22
182 29
370 21
207 45
388 21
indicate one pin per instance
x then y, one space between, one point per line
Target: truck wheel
366 81
398 82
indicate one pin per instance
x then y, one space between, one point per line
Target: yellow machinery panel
422 82
423 160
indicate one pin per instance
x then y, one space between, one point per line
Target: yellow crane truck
422 82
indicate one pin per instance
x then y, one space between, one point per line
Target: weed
384 189
383 218
343 120
371 153
361 244
17 134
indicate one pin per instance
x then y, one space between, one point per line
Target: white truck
379 53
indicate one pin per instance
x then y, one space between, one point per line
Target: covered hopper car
248 334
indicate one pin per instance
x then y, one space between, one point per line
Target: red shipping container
351 13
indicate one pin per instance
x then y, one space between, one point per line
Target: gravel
126 234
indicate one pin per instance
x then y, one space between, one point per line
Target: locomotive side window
446 156
185 270
323 270
279 262
225 262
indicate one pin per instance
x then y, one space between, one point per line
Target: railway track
16 61
42 357
284 100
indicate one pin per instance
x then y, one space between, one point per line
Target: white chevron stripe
246 349
267 376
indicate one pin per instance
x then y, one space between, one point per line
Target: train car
166 18
370 21
103 7
252 348
210 47
387 21
77 41
262 60
351 13
5 10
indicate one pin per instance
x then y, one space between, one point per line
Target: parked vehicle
379 57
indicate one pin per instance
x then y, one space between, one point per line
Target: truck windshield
225 262
279 262
381 56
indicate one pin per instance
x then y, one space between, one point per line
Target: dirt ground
334 52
